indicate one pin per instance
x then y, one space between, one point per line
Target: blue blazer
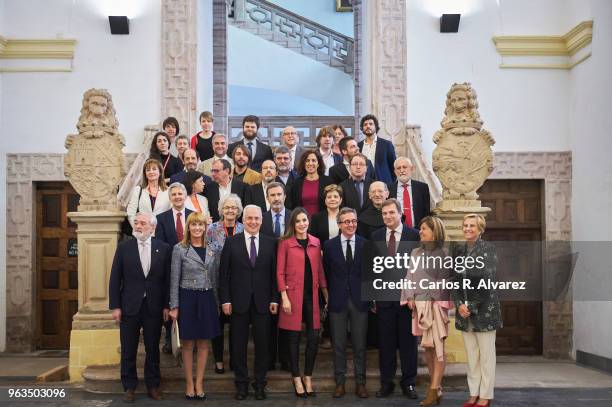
165 229
128 284
383 160
339 277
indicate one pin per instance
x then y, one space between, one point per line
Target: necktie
391 246
144 257
277 226
359 187
253 255
407 207
179 227
349 253
250 145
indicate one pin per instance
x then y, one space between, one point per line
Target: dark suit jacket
298 154
351 195
239 281
263 152
257 196
339 173
407 242
383 160
267 223
340 277
211 192
319 226
128 284
420 200
165 230
294 196
179 176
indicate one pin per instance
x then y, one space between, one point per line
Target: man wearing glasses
222 186
342 257
357 186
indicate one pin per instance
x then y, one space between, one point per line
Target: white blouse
162 203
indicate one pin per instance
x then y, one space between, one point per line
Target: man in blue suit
395 321
378 150
170 230
342 259
138 297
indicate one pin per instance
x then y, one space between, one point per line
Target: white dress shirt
328 159
246 143
247 240
400 197
398 234
281 219
332 226
225 191
369 150
292 152
350 241
144 252
174 212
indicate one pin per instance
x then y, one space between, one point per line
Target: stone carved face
459 101
97 105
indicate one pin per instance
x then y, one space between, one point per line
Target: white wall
38 110
525 110
253 62
205 60
591 144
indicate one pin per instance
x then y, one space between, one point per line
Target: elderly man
219 145
370 218
378 150
190 162
222 186
258 150
291 140
138 297
340 172
412 195
356 188
242 172
248 294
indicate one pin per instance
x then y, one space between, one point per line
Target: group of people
272 241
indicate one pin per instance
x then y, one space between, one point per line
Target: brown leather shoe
361 391
340 391
155 394
128 396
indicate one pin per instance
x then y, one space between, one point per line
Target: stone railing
307 126
285 28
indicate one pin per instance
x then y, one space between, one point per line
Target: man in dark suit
190 161
222 186
258 191
138 297
170 230
380 151
356 188
370 219
412 195
342 261
285 174
259 150
291 140
395 321
248 293
340 172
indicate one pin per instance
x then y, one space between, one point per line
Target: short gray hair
345 211
378 182
275 184
251 206
176 185
150 215
234 198
281 150
401 158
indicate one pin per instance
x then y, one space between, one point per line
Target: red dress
310 196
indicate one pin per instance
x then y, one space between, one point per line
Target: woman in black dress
160 150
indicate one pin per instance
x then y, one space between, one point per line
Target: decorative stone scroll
94 162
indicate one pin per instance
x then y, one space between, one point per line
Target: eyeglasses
214 170
230 208
358 165
349 222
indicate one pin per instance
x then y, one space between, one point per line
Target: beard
249 136
141 236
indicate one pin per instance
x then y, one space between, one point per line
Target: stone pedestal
94 339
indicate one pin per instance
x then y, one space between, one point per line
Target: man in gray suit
291 139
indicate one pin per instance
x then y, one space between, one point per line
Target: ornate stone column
95 165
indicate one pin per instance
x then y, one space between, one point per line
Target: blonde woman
150 196
430 307
193 300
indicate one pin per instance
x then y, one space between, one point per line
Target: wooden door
516 215
56 264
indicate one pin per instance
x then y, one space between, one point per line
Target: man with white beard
412 195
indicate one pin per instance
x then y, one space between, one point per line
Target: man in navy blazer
412 195
248 293
138 297
259 150
395 321
340 171
166 232
342 261
378 150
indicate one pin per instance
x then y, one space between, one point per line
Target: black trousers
312 342
239 326
395 331
279 348
129 333
218 342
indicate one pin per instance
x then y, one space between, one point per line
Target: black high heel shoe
309 393
299 395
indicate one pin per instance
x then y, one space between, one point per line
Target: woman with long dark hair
160 150
307 190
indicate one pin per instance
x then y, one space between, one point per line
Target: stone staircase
292 31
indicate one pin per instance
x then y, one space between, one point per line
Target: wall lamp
449 23
119 24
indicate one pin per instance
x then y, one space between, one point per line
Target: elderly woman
160 150
230 209
478 313
192 292
194 184
430 307
150 196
